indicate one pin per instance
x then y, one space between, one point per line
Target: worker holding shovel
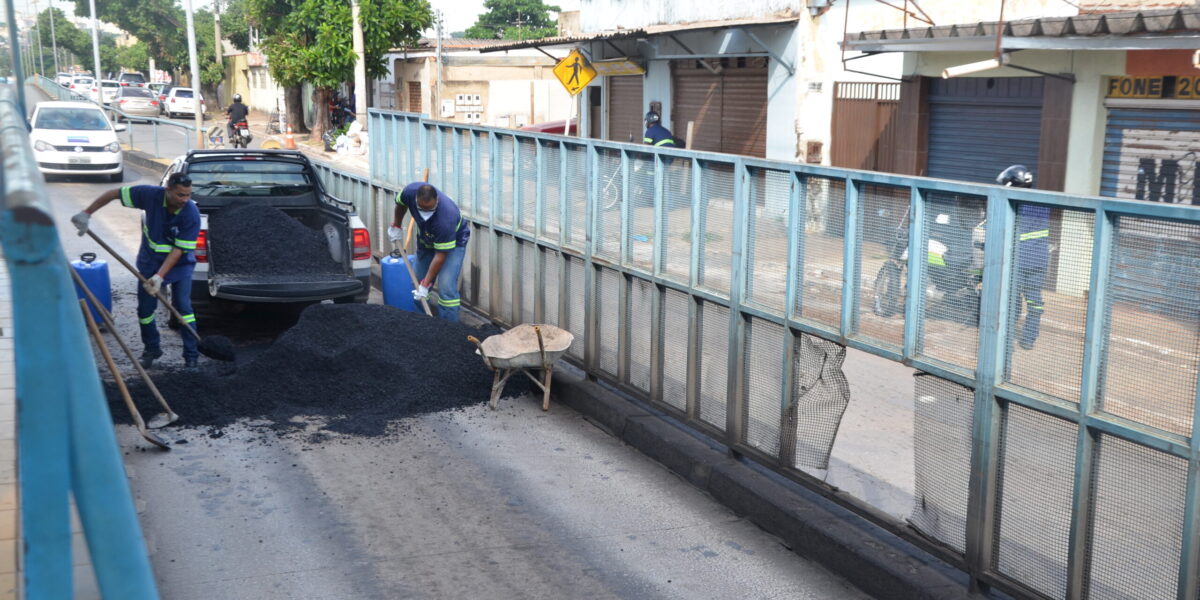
170 226
442 243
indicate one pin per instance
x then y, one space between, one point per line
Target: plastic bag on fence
821 395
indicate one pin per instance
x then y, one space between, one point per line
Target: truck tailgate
282 288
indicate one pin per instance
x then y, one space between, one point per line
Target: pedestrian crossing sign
574 72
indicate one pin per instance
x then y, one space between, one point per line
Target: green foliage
311 40
133 58
161 25
234 24
515 20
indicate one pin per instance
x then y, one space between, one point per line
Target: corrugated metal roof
452 44
778 18
1114 30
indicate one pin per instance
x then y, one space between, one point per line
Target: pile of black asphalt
260 240
356 368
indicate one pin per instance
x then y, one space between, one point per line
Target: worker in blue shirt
1033 257
441 243
170 227
656 134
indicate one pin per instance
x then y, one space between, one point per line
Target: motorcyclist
656 134
1033 257
237 112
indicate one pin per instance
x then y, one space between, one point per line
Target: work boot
148 357
191 363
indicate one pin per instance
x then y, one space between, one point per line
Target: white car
109 90
182 101
63 79
76 138
85 86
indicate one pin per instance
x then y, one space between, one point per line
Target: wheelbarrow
524 348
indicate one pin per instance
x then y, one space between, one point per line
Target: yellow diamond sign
574 72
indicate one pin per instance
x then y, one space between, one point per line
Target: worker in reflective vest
656 134
441 243
1033 257
170 227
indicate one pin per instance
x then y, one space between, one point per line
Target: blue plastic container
94 274
397 285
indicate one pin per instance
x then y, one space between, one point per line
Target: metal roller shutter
625 109
729 110
980 126
1150 154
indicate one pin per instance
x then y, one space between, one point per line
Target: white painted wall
604 15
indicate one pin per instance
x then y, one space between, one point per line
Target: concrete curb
146 161
874 560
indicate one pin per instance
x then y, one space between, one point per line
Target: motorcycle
953 267
241 135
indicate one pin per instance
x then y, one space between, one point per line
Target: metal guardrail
700 281
56 91
66 443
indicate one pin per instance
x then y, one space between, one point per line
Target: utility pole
437 96
38 27
195 75
14 45
95 42
360 67
217 32
54 41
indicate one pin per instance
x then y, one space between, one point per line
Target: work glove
421 293
80 221
395 234
153 284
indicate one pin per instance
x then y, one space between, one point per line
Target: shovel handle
112 367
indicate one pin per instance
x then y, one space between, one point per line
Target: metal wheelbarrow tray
524 348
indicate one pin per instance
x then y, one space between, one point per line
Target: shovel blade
162 420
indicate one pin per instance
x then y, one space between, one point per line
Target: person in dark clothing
237 113
657 135
1033 257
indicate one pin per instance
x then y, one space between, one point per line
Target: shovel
216 347
404 256
112 368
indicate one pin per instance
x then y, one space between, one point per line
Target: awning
1177 28
650 30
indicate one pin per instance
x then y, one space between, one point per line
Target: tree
515 20
310 41
234 24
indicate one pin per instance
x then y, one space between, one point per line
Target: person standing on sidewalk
1033 257
170 227
441 244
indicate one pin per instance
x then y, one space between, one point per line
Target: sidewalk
314 148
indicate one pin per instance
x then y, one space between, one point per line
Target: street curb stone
145 161
874 560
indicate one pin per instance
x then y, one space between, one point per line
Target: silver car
136 102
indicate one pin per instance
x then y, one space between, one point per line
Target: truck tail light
202 247
362 245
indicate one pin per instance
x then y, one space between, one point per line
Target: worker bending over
441 243
170 226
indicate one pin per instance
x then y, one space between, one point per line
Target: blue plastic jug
94 274
397 285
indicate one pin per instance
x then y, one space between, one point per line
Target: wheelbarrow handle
541 345
487 361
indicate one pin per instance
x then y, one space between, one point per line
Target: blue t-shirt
445 230
1033 236
163 230
657 135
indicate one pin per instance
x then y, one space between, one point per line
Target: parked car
109 90
75 138
162 97
85 86
288 180
552 127
63 79
183 101
137 102
134 79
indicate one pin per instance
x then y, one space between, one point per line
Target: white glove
421 293
153 284
395 234
80 221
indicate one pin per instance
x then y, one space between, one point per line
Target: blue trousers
181 298
1028 289
447 280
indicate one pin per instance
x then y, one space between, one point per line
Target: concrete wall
603 15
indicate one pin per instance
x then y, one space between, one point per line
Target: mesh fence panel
1136 533
608 219
1046 345
882 267
942 415
821 252
608 317
577 194
641 211
641 298
677 226
768 261
716 239
431 158
818 399
504 206
528 276
481 268
551 283
527 186
675 348
953 270
1149 367
483 149
468 280
551 191
448 165
1036 479
714 363
507 309
576 319
466 168
764 376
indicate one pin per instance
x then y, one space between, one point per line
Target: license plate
78 160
